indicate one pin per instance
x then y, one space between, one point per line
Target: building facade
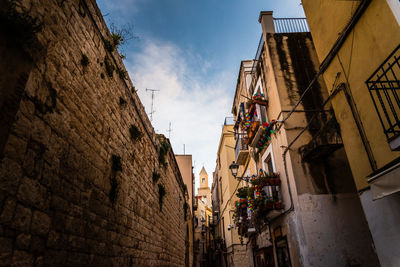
185 165
302 191
360 51
230 246
203 222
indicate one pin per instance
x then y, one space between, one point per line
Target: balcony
384 88
326 141
256 116
241 149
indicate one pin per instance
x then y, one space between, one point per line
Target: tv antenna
152 101
169 131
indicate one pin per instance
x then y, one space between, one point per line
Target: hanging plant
161 195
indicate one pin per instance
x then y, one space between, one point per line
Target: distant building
185 165
204 190
203 222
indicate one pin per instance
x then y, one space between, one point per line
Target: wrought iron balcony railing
384 88
290 25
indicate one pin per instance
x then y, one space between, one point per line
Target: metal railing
240 145
258 53
229 121
384 88
290 25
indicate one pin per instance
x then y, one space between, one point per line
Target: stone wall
64 198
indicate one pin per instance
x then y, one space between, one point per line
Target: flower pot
278 205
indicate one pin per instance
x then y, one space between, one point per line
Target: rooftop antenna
184 150
152 101
169 131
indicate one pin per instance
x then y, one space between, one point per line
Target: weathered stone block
10 175
40 223
22 218
23 241
22 258
31 193
6 246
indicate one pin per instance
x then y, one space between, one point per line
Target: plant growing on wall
162 153
122 101
156 177
109 67
116 166
135 133
161 195
85 60
122 73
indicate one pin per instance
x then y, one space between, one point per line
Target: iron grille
240 143
384 88
289 25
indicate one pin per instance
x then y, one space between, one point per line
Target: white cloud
195 104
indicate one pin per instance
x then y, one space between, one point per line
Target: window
203 180
268 160
384 88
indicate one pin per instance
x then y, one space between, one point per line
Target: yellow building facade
359 48
233 248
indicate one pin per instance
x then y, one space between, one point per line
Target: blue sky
191 51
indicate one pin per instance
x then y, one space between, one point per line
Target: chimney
267 22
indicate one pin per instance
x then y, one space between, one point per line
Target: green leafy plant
109 67
102 75
109 45
135 133
164 148
123 74
242 192
85 60
161 194
156 177
133 89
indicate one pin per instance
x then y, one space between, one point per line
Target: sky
191 52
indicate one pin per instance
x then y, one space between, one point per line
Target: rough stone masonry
84 179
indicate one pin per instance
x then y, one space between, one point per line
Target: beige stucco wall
374 37
185 167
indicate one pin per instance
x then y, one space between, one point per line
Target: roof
203 171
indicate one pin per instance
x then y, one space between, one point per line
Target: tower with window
204 190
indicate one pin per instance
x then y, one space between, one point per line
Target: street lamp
234 167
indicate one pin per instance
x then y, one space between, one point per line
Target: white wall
383 216
335 230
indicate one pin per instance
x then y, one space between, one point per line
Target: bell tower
204 191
